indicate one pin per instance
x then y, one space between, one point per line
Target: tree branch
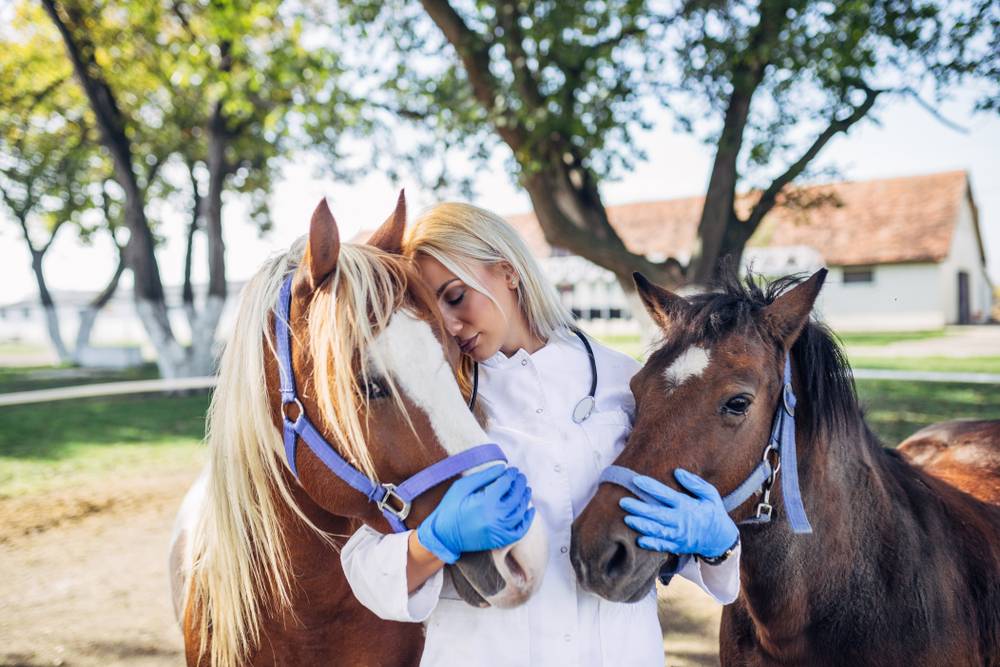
524 78
837 125
39 96
929 108
475 57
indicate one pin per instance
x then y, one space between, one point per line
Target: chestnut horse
964 453
901 568
257 573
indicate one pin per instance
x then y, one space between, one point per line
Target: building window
859 275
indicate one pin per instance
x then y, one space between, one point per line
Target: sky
906 141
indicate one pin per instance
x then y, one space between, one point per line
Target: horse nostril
617 561
514 567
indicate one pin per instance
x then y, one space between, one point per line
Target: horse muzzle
504 577
605 556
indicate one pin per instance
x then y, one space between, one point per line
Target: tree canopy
565 86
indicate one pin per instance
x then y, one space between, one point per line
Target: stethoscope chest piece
583 409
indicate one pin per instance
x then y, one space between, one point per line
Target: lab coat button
524 362
568 637
563 550
557 468
539 411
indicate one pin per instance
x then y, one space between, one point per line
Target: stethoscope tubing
586 404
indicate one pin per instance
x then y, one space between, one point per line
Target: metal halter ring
284 410
383 504
776 466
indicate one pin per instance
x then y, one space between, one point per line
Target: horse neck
843 479
312 558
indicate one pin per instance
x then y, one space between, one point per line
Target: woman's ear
509 274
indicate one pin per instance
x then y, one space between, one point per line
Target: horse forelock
734 307
345 318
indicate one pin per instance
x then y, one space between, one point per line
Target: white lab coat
529 399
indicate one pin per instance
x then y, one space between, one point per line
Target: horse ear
389 237
788 314
324 246
665 307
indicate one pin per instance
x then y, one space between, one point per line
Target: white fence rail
106 389
182 384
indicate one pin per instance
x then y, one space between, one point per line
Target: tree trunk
49 307
44 296
187 292
571 214
140 254
89 314
51 313
718 211
205 324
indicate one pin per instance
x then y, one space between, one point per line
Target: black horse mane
827 392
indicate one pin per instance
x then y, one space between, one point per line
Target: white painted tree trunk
203 328
171 357
88 316
55 336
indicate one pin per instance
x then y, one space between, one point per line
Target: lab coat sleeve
375 567
721 581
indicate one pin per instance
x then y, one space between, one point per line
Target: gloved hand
681 524
485 510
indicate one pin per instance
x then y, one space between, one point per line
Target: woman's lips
466 345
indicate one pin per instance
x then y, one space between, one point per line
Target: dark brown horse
257 574
901 568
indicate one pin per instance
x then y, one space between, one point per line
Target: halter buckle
764 512
383 504
788 398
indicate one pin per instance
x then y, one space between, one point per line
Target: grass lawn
626 343
55 445
873 338
937 364
896 409
29 378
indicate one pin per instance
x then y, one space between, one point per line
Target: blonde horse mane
241 565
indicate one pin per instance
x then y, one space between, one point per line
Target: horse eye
737 405
376 389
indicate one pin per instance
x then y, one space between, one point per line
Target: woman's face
479 327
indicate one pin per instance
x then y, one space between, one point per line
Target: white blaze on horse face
690 363
416 360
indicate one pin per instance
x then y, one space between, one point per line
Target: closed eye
456 300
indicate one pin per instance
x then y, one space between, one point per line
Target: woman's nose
452 324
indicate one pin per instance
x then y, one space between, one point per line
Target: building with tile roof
904 253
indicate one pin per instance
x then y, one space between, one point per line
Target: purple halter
780 445
385 494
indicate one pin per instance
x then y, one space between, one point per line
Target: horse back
965 454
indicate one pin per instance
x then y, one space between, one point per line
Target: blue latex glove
681 524
485 510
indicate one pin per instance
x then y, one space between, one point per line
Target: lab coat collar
501 361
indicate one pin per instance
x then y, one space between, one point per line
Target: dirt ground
83 581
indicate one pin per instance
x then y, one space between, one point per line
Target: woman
534 369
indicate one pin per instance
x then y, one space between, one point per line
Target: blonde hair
457 235
241 563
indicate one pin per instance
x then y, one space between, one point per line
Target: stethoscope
586 404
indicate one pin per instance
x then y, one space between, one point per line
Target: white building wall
964 256
901 297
